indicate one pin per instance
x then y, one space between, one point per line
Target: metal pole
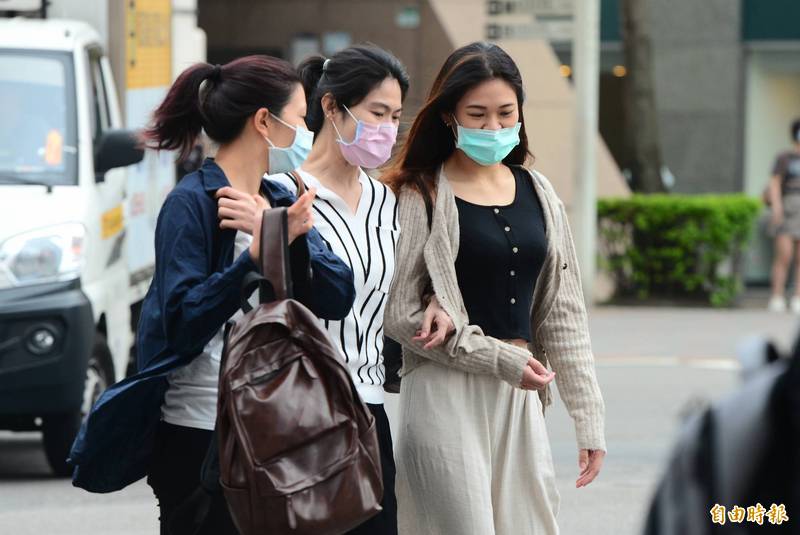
586 48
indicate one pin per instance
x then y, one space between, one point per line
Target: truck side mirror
116 148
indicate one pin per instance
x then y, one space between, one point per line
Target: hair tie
216 74
325 65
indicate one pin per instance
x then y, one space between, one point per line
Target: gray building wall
699 80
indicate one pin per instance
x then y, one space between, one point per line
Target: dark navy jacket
196 288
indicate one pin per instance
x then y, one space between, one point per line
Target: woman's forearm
776 202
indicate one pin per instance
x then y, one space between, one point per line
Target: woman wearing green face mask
472 453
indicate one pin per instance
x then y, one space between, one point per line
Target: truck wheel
59 430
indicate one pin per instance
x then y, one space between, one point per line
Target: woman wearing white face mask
354 107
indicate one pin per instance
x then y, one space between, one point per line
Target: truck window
101 119
38 133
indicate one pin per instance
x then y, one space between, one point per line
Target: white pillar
585 53
188 40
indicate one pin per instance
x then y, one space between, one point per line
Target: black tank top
500 255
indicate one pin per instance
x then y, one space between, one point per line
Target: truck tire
59 430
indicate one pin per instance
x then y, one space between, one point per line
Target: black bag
392 361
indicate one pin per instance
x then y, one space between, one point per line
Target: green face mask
487 147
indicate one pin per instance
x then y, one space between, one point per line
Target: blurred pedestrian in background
783 196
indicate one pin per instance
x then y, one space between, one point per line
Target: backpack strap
274 260
274 254
251 282
298 182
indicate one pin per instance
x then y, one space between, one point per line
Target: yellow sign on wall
111 222
148 60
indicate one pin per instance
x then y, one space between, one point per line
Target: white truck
78 201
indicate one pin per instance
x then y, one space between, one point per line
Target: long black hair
219 99
349 75
430 141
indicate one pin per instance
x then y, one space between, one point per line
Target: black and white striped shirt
366 240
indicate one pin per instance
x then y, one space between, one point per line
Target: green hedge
689 247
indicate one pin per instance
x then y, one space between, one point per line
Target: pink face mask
372 145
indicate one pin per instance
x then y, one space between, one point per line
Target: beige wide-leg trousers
473 457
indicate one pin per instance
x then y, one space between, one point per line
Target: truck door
107 277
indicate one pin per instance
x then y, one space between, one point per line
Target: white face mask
285 159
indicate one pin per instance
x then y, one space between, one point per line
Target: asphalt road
653 365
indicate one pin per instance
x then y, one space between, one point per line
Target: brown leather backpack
297 445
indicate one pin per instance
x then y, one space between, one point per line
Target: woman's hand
590 462
237 210
536 376
300 221
434 316
301 218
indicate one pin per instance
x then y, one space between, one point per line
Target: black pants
175 478
385 522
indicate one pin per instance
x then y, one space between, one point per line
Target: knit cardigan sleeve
565 334
467 349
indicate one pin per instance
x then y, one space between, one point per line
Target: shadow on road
22 457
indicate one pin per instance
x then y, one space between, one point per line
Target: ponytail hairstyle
430 141
349 75
219 100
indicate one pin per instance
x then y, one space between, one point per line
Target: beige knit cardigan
426 259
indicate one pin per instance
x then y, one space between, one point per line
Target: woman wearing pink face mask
354 107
